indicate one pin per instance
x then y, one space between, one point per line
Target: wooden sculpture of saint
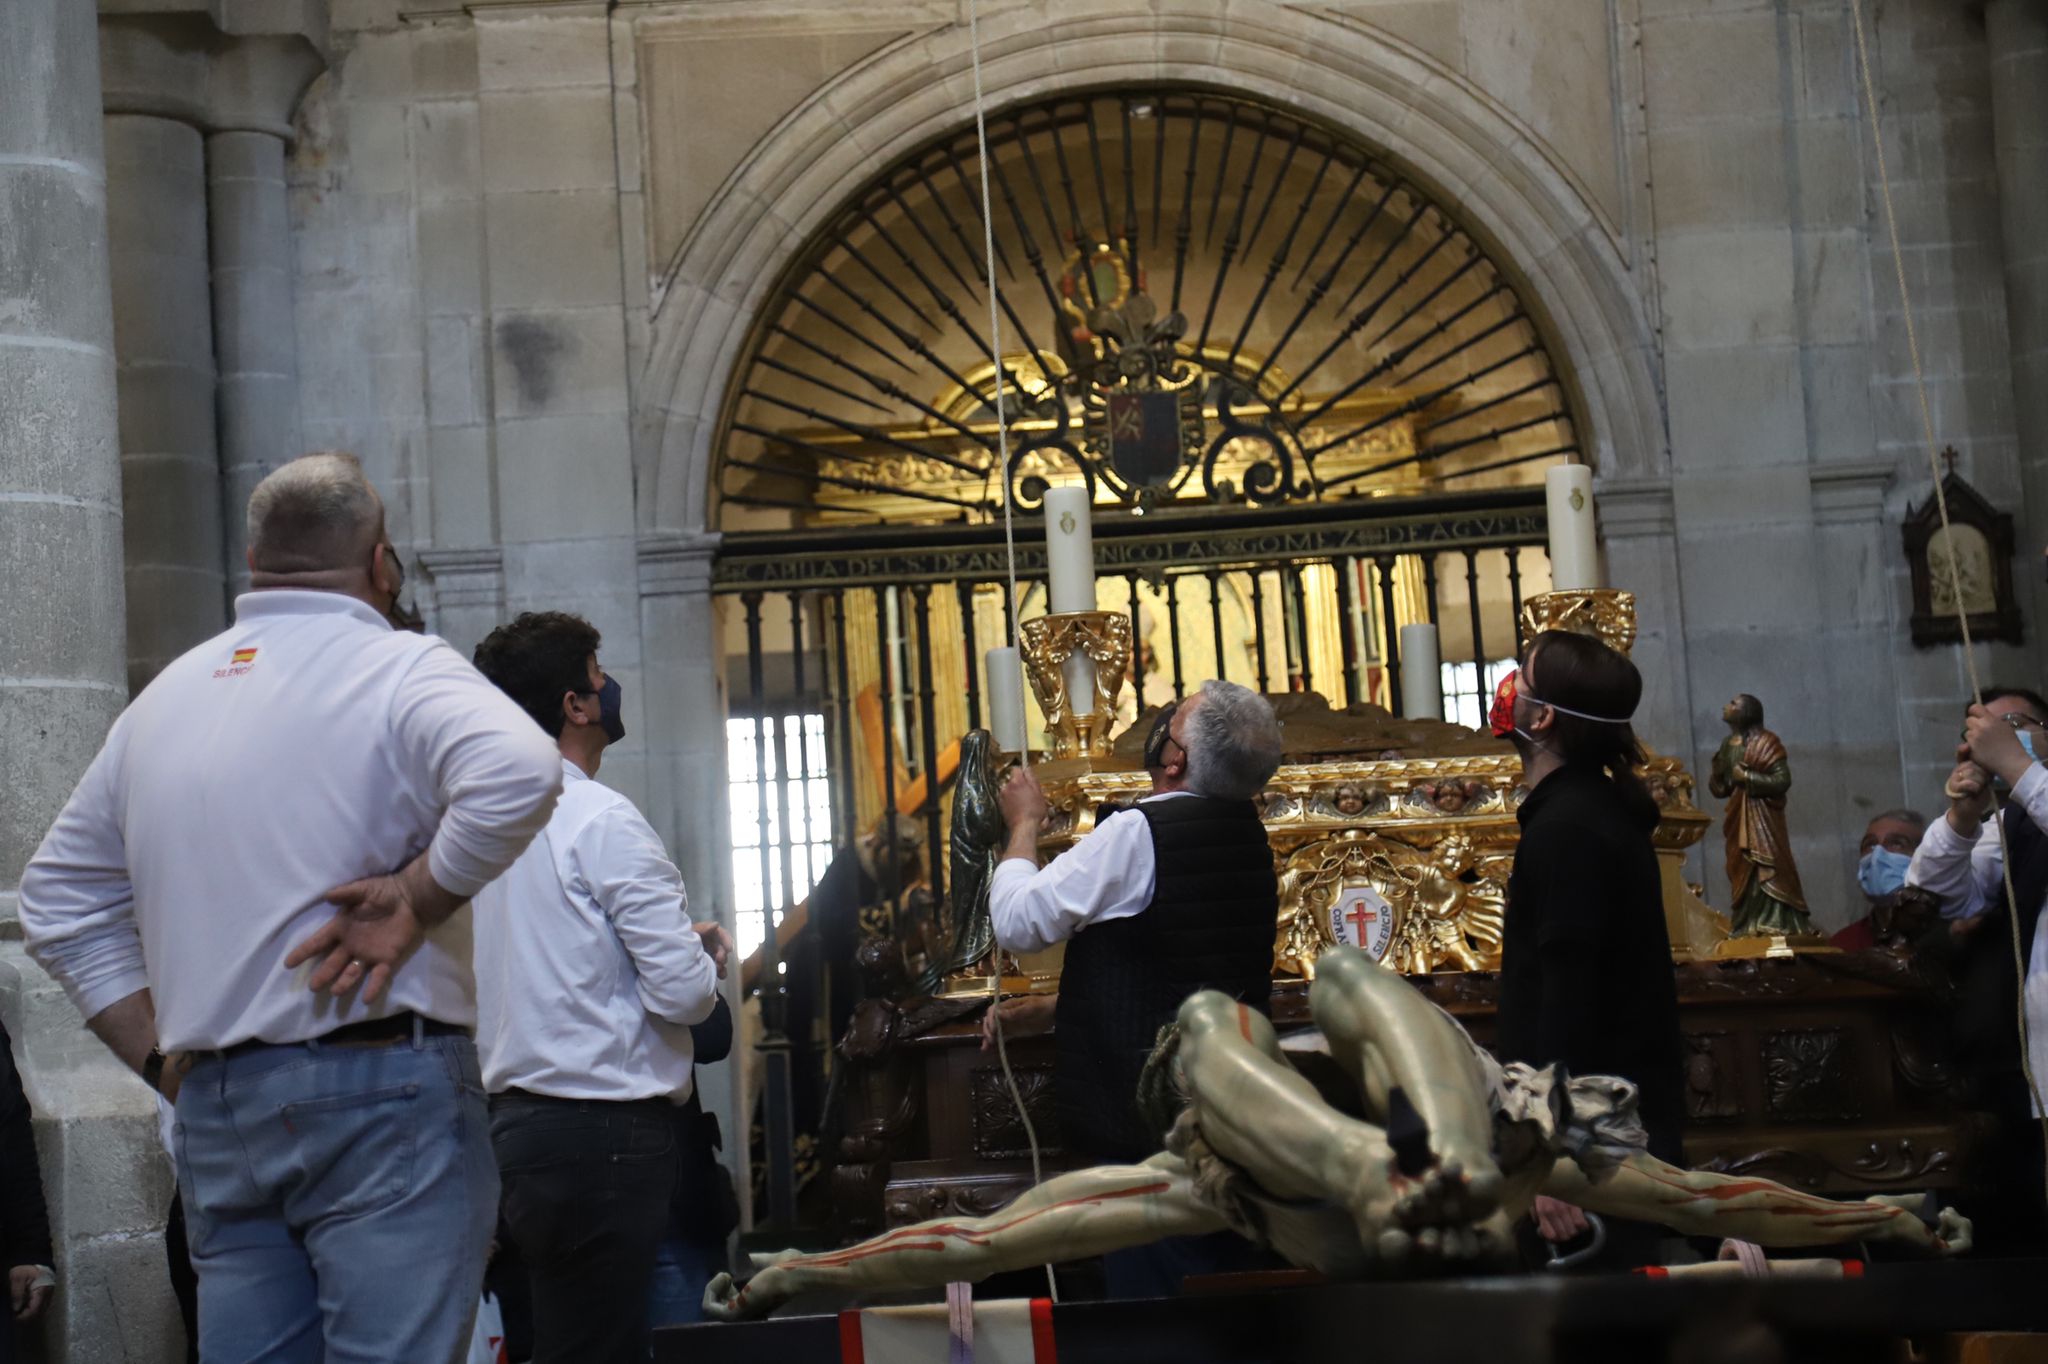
1752 773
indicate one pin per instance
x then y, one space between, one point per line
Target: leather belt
371 1032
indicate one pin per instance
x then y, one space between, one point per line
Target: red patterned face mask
1501 719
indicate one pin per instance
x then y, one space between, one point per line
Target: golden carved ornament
1049 641
1413 909
1604 613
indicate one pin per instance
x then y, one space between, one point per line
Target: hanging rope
995 355
1891 219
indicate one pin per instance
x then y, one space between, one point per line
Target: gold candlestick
1104 637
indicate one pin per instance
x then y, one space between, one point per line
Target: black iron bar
909 340
770 362
1428 558
1215 577
853 429
1478 632
1078 233
1393 360
1032 256
1318 291
835 320
1052 223
1184 226
859 485
757 500
944 302
1137 643
1295 579
1347 626
887 388
796 804
777 1111
1364 315
888 282
845 817
1279 261
1518 459
1487 437
1400 282
1289 646
1130 233
1158 166
1465 413
963 592
1101 183
1329 224
1386 254
1259 628
1390 632
1273 190
1413 405
1477 339
939 253
1514 553
1180 690
974 253
885 693
1415 309
1222 173
928 743
1231 237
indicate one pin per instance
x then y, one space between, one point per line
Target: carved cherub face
1349 798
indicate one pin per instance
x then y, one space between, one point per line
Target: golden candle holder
1104 638
1605 613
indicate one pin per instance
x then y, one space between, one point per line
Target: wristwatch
153 1069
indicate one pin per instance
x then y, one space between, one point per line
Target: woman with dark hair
1585 960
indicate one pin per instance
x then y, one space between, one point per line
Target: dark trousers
586 1197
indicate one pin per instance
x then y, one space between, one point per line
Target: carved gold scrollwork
1604 613
1443 907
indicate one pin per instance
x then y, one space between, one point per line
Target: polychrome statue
1752 773
1451 1152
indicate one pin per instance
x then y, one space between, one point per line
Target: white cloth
1967 876
1107 875
588 973
307 746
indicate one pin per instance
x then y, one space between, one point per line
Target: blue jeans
682 1269
339 1201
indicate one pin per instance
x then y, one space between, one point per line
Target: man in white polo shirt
330 1124
589 973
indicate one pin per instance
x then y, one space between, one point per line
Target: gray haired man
308 788
1173 896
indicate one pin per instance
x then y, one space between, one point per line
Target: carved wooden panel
998 1132
1713 1078
1807 1076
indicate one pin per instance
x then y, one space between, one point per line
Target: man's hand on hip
382 921
717 942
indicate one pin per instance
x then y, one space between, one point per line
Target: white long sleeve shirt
1967 876
1110 874
588 972
307 746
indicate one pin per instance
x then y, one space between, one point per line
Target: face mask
1159 738
1501 719
608 710
2027 742
1882 872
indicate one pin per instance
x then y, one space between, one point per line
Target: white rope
995 355
1891 219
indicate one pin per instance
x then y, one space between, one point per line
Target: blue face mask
1882 872
2027 742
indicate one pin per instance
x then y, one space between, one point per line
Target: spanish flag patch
245 656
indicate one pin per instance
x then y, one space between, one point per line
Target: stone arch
1430 121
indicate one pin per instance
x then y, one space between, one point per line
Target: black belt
371 1032
527 1096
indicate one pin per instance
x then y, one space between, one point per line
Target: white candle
1069 551
1422 674
1004 675
1574 556
1079 670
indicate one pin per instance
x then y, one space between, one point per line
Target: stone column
255 343
163 331
2017 31
684 709
61 664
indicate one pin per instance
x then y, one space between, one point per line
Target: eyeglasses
2019 719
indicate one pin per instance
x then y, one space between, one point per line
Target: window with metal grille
781 800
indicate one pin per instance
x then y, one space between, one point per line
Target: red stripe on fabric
1653 1271
1852 1269
851 1351
1043 1351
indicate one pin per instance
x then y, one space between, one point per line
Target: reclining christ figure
1447 1151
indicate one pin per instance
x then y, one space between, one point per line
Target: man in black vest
1173 896
1958 862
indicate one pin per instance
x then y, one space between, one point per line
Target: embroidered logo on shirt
243 661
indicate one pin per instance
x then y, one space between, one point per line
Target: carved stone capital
1850 492
219 65
677 562
465 577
